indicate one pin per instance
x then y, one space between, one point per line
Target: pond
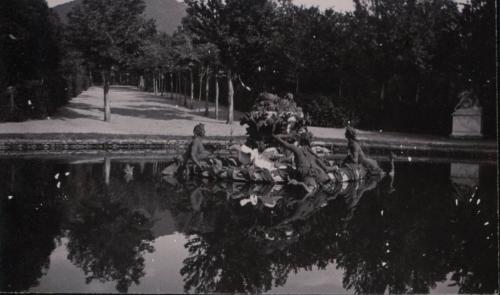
82 224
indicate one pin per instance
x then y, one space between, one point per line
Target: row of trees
114 39
389 64
37 74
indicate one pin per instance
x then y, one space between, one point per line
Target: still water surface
118 226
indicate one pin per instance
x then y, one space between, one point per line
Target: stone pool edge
486 150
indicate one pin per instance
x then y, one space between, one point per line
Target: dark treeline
38 73
389 64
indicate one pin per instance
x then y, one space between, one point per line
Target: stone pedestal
467 122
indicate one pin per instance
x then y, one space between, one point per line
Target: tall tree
31 58
109 33
478 55
239 29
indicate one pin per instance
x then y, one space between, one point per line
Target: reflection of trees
251 248
402 241
421 226
248 249
475 244
219 250
30 223
108 243
226 264
109 231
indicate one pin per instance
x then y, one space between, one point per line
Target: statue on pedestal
467 117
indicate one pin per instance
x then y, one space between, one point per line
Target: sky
340 5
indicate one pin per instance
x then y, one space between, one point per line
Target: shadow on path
153 113
130 102
198 107
69 113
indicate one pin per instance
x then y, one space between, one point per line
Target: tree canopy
109 33
388 64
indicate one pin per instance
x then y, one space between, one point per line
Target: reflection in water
108 241
30 221
404 234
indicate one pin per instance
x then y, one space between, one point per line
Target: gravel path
138 113
132 112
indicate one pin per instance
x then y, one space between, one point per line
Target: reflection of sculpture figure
129 173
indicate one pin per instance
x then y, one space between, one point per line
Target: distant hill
167 13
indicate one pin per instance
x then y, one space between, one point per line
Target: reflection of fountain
240 246
251 248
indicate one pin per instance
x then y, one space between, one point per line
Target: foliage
325 113
109 33
32 61
400 63
391 64
239 29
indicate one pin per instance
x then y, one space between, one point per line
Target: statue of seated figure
355 154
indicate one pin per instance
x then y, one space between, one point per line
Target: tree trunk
216 97
91 78
174 85
230 98
107 109
12 102
191 83
185 92
178 86
162 83
154 84
200 89
207 91
159 84
171 86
